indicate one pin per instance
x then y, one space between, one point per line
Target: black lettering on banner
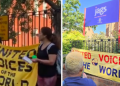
22 54
13 82
6 64
16 51
10 65
3 71
1 62
24 83
34 52
29 68
21 66
3 51
2 80
7 83
11 74
9 53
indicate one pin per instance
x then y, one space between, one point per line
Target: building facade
89 32
38 20
112 29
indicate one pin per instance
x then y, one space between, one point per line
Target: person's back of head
73 63
74 68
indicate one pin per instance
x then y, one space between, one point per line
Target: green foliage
71 36
94 27
72 18
21 7
63 59
17 7
99 36
115 34
100 42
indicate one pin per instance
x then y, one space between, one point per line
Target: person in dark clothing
47 59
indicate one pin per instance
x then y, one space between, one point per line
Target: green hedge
69 37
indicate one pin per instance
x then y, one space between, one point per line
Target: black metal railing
103 45
32 21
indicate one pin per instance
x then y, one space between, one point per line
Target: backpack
58 60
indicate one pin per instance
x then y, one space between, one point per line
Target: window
36 8
35 31
89 29
44 8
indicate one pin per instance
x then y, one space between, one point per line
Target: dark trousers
58 82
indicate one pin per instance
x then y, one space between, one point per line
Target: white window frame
35 31
36 7
44 8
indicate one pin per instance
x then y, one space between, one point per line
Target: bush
69 39
63 59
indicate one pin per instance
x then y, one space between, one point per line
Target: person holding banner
47 58
74 69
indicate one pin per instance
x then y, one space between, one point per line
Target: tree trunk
56 20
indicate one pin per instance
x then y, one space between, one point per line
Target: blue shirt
78 81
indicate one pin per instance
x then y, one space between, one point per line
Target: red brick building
38 20
110 28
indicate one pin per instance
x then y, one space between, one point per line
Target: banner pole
84 22
119 30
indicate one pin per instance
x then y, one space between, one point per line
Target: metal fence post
103 45
0 40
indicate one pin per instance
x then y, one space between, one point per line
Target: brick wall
98 81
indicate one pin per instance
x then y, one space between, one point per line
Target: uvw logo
100 11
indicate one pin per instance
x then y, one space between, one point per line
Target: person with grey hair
74 68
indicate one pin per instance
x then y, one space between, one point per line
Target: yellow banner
13 70
101 64
4 32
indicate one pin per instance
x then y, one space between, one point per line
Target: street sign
4 32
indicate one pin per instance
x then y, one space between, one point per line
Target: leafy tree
72 18
94 27
22 7
70 38
115 34
99 36
100 42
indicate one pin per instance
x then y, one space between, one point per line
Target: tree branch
52 4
